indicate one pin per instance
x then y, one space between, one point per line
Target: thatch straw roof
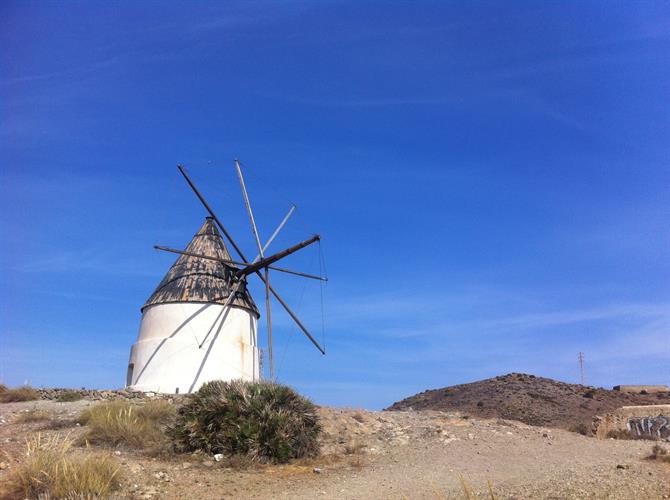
192 279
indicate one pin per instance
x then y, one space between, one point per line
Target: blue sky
491 181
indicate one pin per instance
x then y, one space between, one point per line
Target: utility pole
580 357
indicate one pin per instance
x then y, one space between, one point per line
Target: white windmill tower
200 324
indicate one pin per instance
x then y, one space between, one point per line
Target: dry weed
48 471
128 424
659 453
24 393
33 415
469 493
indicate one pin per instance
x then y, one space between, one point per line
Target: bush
33 415
659 453
581 428
3 388
262 421
123 423
49 473
68 396
24 393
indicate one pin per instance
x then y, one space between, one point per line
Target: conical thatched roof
192 279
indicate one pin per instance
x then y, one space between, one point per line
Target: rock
218 457
162 476
3 465
316 470
117 453
621 466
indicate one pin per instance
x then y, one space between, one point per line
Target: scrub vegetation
33 415
264 422
23 393
51 471
121 423
69 396
660 453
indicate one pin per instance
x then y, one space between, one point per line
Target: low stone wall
635 422
97 395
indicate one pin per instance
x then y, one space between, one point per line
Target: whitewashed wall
167 357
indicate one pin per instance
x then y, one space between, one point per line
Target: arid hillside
529 399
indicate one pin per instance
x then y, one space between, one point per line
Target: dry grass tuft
24 393
353 447
3 388
49 472
120 423
659 453
33 415
470 494
581 428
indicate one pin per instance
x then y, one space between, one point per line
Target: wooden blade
254 228
239 252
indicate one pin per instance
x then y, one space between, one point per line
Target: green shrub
128 424
69 396
23 393
262 421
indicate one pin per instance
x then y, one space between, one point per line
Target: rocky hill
529 399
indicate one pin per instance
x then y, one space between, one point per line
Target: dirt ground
386 455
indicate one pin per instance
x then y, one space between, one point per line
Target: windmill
200 323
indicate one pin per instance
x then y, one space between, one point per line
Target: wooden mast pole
254 228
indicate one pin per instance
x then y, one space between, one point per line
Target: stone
162 476
316 470
218 457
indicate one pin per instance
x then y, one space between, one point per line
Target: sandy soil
388 455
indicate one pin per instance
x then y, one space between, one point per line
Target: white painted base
167 356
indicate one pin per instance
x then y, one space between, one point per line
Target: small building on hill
642 389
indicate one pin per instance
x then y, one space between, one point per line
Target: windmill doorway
129 375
